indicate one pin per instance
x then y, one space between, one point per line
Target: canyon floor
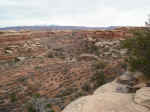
50 69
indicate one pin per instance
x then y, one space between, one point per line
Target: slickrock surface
112 102
107 99
142 97
116 96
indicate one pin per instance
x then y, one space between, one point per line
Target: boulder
20 58
9 51
127 78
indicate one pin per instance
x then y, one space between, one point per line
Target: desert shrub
2 32
91 48
99 65
139 51
13 97
49 105
66 92
79 94
86 87
124 65
73 33
36 95
51 111
31 109
38 105
99 79
50 55
37 67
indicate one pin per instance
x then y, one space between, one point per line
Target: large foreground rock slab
108 99
112 102
142 97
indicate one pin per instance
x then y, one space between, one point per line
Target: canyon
47 70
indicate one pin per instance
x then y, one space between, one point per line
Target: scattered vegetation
51 111
31 109
56 53
99 65
13 97
86 87
91 48
39 105
99 78
124 65
139 51
73 33
50 55
66 92
37 67
49 106
2 32
37 95
79 94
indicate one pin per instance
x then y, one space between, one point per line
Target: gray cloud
74 12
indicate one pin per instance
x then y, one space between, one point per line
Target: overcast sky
74 12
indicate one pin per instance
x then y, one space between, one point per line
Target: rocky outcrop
113 97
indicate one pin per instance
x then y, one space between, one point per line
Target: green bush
31 109
13 97
139 51
99 79
51 111
2 32
86 87
99 65
49 105
36 95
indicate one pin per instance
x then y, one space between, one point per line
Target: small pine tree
139 51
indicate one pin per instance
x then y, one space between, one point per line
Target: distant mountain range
56 27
